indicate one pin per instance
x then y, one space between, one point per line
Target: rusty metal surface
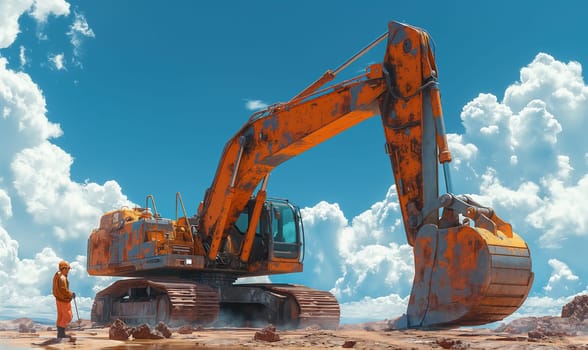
131 243
171 302
463 275
467 276
315 307
194 302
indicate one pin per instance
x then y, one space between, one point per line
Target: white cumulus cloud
10 11
58 61
560 277
42 179
40 10
78 31
254 105
371 257
560 85
534 164
23 123
22 57
379 308
40 204
5 205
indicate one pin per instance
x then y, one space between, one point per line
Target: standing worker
63 297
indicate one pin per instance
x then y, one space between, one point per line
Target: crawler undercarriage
178 302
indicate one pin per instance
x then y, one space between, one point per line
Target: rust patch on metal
142 300
315 307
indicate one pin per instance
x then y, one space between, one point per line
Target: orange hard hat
63 264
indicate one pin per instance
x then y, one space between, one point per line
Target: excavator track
141 300
192 302
284 305
314 307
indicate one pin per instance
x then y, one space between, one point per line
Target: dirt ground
568 331
355 337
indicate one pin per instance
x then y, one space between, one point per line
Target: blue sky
104 102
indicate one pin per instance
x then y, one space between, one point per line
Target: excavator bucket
467 276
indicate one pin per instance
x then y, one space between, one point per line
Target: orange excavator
470 267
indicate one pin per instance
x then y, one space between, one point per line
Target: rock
546 326
163 329
24 329
576 309
400 323
518 326
450 344
267 334
144 332
80 324
25 325
536 335
20 324
185 330
542 333
349 344
119 331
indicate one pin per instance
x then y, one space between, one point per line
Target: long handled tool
77 313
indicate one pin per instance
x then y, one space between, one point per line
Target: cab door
285 231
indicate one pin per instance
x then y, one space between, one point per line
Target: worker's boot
61 332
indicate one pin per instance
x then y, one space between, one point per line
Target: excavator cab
279 234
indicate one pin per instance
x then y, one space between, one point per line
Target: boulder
545 326
349 344
267 334
577 309
145 332
163 329
119 331
451 343
26 326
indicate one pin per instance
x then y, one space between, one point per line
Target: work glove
73 295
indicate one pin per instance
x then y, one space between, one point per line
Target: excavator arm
278 134
470 268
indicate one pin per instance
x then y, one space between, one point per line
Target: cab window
284 231
242 223
283 225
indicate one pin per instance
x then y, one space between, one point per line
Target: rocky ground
567 332
248 338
